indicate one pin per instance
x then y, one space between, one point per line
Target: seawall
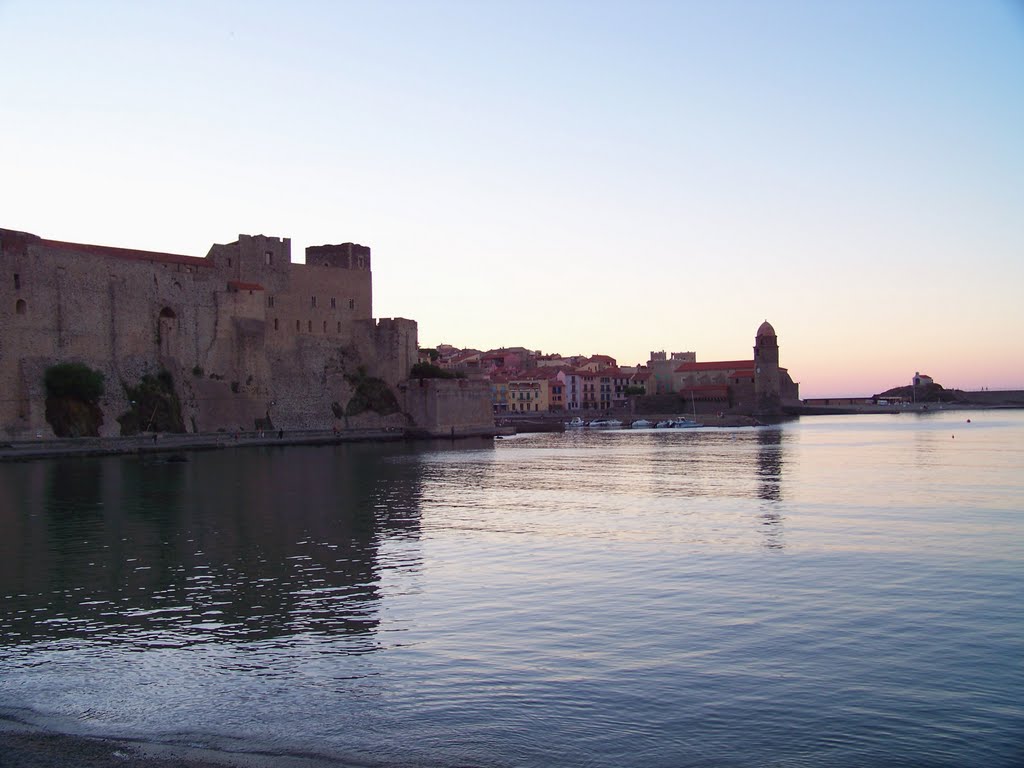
167 446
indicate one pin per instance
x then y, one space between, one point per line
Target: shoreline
26 747
29 742
171 446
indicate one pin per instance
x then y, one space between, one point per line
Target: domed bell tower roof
765 330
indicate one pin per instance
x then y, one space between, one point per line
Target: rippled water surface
837 591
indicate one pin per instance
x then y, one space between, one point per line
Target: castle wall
59 303
323 302
244 332
389 347
440 405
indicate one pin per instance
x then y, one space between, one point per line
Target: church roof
721 365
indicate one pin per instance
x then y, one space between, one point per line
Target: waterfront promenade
169 444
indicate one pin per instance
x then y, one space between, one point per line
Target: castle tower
766 369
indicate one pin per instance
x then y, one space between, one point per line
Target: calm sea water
841 591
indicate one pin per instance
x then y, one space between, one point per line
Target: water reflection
769 464
770 453
227 547
620 483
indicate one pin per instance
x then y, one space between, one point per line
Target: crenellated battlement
344 255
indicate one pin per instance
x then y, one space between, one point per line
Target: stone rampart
248 337
439 406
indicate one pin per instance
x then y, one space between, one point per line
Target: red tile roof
238 285
536 374
127 253
724 365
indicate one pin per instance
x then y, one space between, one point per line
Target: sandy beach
25 747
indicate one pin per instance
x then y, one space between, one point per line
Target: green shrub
431 371
372 394
74 380
154 406
72 393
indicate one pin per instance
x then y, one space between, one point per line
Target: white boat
682 423
641 424
576 423
664 424
605 424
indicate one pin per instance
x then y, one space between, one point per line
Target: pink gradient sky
575 177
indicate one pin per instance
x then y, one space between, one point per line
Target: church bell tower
766 369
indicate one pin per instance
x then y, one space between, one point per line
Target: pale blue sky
576 177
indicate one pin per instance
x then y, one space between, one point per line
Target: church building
758 385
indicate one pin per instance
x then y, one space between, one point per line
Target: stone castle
249 338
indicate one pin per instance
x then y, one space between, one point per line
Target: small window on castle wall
334 303
270 301
309 325
269 256
275 323
339 326
229 262
17 282
312 301
351 303
298 325
325 326
20 307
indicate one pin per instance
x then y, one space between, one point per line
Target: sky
579 177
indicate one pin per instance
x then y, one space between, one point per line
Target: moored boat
683 423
